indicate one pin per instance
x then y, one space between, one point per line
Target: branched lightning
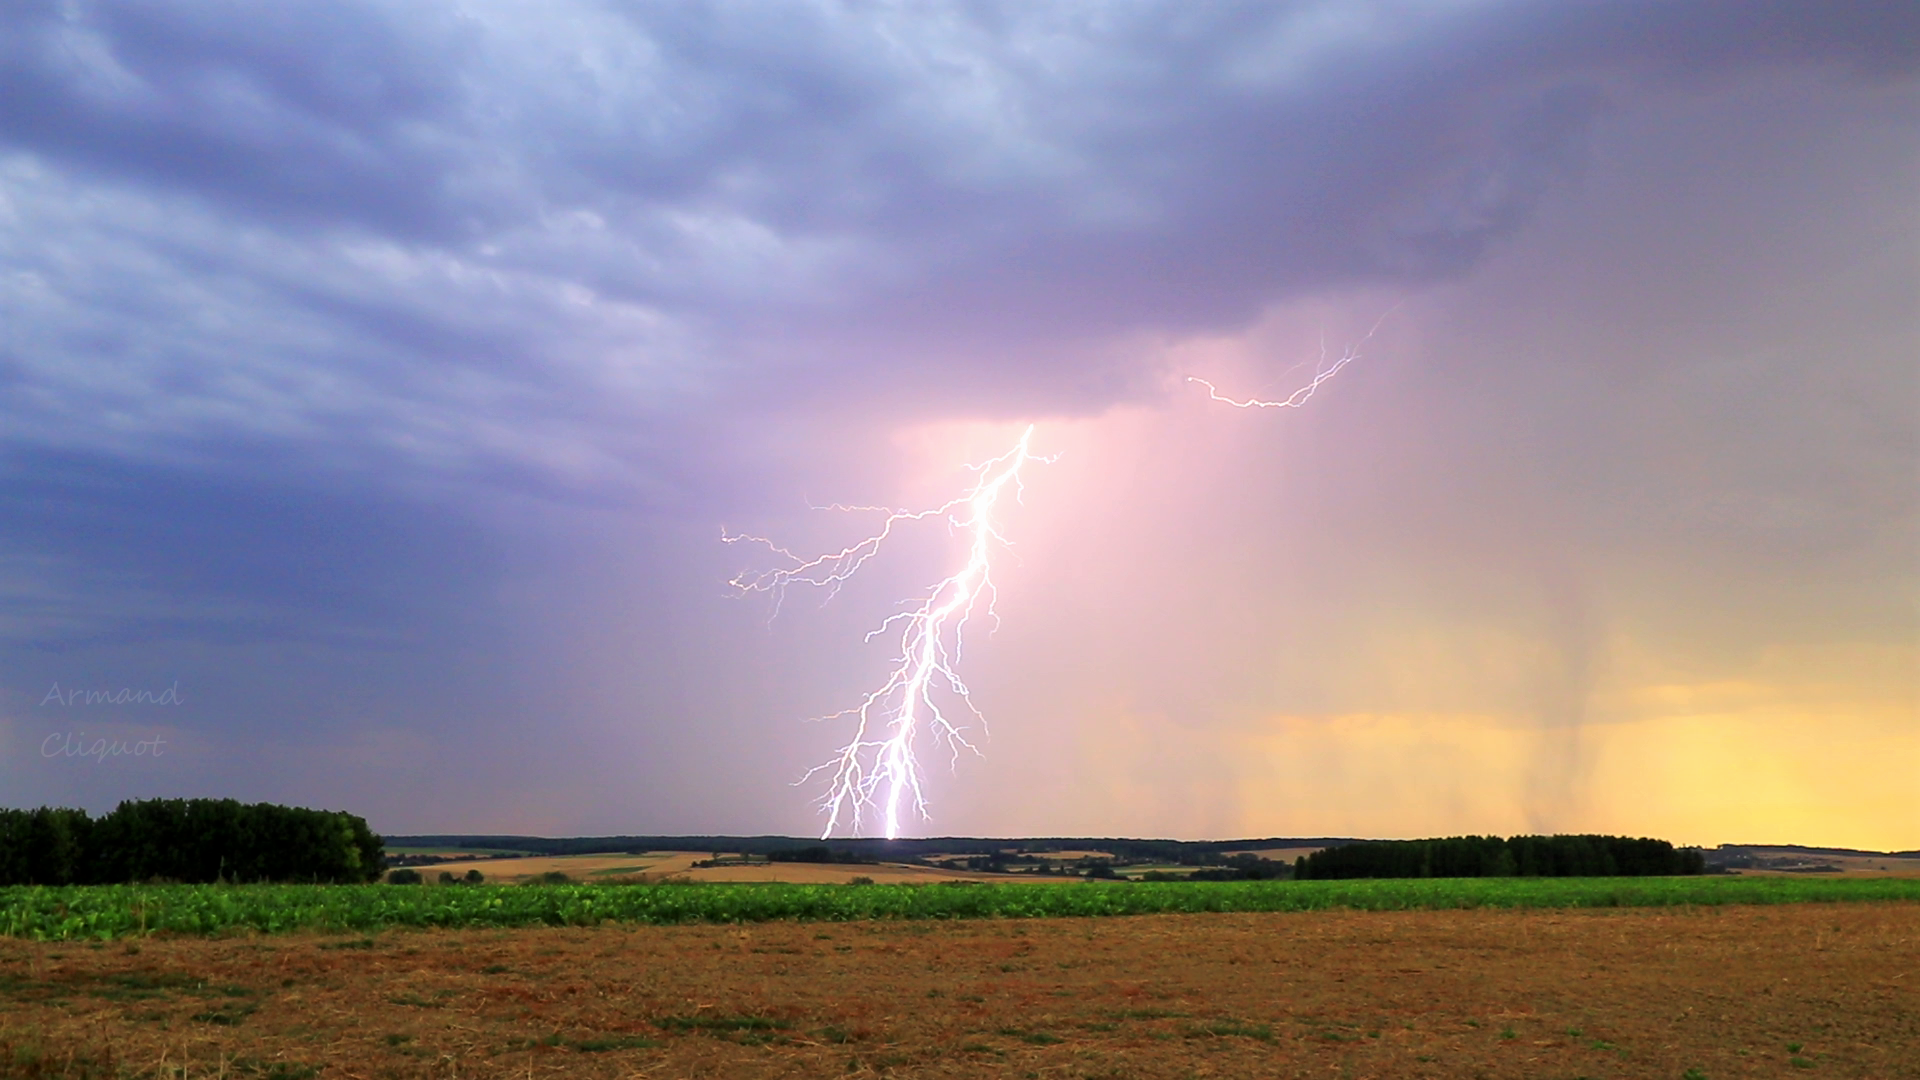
1322 371
877 771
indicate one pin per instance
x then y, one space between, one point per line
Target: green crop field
101 912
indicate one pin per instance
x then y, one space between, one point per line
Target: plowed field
1792 990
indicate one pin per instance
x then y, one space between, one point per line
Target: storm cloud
423 347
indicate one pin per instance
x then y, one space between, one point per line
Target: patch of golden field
840 874
658 865
584 867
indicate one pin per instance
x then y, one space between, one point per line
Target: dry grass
1628 993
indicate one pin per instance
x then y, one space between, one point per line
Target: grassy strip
103 912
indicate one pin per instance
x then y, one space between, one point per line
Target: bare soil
1801 990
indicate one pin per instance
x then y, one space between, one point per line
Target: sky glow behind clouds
384 373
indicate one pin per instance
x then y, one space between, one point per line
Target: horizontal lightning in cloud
1322 371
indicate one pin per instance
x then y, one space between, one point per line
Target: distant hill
1802 849
1131 848
1186 852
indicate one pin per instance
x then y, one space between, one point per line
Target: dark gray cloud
316 113
499 210
213 556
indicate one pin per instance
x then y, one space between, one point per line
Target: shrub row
1491 856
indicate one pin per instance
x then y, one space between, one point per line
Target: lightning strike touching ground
877 772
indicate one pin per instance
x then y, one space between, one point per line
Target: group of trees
186 840
820 853
1491 856
410 876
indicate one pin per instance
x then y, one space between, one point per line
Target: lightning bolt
1322 371
877 772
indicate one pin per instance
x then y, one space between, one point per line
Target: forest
190 841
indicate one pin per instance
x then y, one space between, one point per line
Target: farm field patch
1791 861
660 865
1791 990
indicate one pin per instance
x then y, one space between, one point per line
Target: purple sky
381 375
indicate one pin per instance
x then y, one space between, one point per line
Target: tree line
189 841
820 853
1491 856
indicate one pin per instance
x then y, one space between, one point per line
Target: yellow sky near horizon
1813 746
